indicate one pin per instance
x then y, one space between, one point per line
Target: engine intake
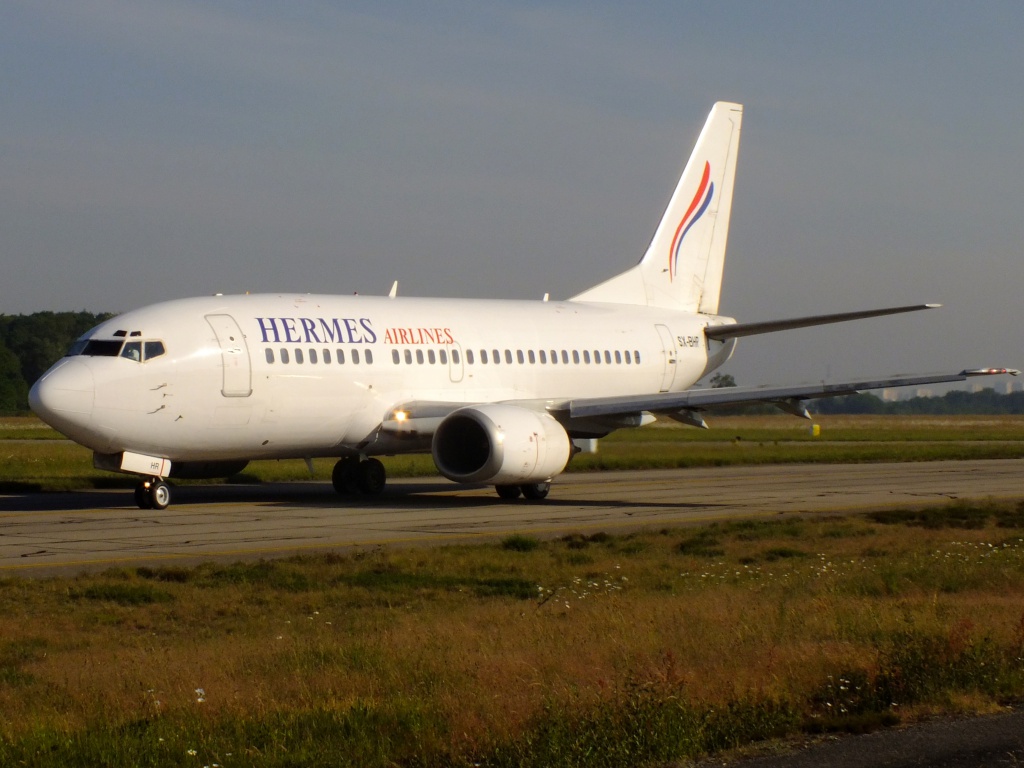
500 444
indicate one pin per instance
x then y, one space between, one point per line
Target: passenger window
597 357
270 355
618 357
576 356
495 356
355 357
133 351
340 357
368 357
284 356
153 349
298 356
532 357
543 357
586 356
408 357
312 356
444 356
629 358
508 356
327 357
520 357
455 356
608 357
419 357
431 357
636 356
469 356
395 357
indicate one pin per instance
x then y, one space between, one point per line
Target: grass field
33 457
589 650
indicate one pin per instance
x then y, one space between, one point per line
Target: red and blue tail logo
698 205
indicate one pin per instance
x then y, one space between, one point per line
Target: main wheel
142 500
345 476
536 491
372 477
159 494
508 492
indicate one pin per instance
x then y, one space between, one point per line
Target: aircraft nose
65 394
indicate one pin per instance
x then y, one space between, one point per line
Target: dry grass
478 643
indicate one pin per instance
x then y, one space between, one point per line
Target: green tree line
29 344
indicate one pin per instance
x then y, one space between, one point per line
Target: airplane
500 392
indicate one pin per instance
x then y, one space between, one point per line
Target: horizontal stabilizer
736 330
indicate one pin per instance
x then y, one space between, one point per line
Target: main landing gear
352 476
531 491
153 493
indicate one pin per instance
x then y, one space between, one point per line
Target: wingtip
991 372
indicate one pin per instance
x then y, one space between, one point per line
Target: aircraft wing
600 415
684 405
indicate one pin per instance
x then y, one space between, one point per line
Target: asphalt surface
978 742
69 532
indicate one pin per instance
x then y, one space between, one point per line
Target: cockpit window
154 349
76 348
133 351
102 348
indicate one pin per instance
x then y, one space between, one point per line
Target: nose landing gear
153 493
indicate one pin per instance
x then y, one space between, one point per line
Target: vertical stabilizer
682 268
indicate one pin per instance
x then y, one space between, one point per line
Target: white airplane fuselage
265 376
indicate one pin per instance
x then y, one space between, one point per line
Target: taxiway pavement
69 532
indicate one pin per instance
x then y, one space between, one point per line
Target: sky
155 149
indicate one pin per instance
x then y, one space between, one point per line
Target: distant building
890 395
924 392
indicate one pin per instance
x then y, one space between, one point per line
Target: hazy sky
155 149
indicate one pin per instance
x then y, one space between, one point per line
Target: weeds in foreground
588 650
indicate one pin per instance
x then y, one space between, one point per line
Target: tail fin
682 268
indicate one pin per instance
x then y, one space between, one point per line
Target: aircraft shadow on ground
404 496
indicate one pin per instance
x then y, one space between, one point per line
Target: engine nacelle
500 444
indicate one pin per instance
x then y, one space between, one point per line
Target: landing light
401 416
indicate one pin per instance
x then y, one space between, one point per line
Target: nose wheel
153 493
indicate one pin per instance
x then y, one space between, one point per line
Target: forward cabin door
668 344
234 354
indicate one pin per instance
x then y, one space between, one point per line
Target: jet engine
500 444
